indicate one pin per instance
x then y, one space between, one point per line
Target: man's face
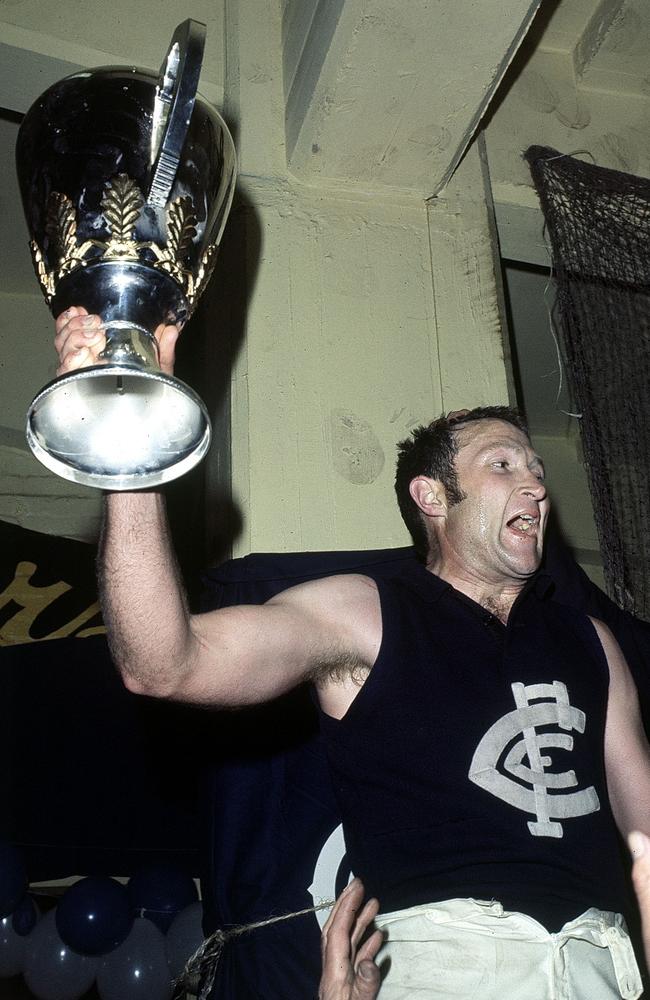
496 533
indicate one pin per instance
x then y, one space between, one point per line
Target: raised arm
627 754
234 656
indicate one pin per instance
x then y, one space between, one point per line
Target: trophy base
118 428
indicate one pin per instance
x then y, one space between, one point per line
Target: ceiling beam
390 93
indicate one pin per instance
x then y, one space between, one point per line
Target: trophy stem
130 345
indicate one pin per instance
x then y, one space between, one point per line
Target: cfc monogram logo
532 788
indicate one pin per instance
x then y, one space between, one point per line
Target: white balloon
12 949
53 971
184 936
137 969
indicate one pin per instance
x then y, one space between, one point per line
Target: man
485 741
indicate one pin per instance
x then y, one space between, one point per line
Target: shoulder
610 646
330 592
346 606
620 678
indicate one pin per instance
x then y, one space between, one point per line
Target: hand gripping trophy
127 179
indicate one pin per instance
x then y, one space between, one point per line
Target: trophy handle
175 96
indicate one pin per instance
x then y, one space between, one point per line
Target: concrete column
466 273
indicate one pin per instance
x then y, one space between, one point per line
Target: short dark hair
431 451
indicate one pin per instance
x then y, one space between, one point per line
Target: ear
429 495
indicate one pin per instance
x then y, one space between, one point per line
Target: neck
496 596
498 607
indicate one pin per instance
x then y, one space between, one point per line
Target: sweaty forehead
482 433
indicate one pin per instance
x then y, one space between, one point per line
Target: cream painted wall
38 39
28 359
339 363
30 495
342 358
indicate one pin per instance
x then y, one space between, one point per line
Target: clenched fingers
363 922
639 845
167 337
79 339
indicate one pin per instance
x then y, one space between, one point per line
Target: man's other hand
349 969
80 339
639 845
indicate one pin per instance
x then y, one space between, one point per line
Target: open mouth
523 523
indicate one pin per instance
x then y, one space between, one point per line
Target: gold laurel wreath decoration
45 278
121 205
203 274
181 230
61 224
181 227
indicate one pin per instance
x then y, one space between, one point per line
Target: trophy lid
173 106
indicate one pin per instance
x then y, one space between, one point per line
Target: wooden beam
473 346
391 93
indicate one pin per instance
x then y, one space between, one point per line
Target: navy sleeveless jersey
470 763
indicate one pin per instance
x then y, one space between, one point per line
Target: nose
534 487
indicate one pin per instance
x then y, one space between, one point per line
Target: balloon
138 969
25 916
53 971
183 937
159 892
12 949
13 878
93 916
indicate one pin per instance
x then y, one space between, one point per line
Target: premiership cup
127 178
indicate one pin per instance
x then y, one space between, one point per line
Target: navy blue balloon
24 917
159 892
13 878
94 916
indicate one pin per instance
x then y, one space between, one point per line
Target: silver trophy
127 178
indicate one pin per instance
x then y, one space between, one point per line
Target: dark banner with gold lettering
47 587
95 780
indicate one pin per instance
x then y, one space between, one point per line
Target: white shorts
467 949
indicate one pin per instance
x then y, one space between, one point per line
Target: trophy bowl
127 178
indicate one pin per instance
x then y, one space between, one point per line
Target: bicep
248 654
627 754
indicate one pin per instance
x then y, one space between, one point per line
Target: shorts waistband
601 928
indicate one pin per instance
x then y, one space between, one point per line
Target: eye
501 463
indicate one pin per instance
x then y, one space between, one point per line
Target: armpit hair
338 666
